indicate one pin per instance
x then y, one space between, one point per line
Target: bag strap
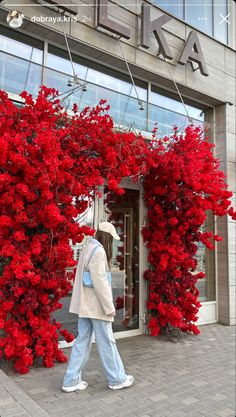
94 249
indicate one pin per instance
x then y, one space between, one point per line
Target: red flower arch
50 168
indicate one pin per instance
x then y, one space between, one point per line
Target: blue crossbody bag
87 282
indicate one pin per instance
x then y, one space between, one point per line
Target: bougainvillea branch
180 191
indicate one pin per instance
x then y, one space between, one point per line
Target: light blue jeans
106 347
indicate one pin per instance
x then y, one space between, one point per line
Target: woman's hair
106 240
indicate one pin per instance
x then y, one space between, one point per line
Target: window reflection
174 7
123 108
64 65
220 25
116 84
200 16
166 120
20 49
17 75
175 105
119 93
206 263
168 113
123 212
94 76
206 15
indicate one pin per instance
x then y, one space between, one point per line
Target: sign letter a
192 51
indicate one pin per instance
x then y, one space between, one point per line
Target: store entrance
126 264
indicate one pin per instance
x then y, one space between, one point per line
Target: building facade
172 51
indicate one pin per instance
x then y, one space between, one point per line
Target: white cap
109 228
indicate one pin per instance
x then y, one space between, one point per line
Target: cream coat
95 302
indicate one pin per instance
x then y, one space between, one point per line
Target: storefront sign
192 50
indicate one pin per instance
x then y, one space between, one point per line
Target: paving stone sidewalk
194 378
15 402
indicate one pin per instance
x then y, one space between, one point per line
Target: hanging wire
63 100
131 76
75 77
190 120
68 91
177 89
83 89
68 48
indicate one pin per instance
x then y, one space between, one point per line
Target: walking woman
96 311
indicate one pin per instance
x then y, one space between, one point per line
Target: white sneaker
127 383
78 387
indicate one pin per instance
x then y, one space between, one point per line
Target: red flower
19 236
8 250
154 327
68 336
119 303
22 189
217 238
173 221
5 221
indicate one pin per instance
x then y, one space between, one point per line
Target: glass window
169 112
201 267
60 62
220 23
206 263
174 7
116 84
17 75
20 49
64 65
166 120
199 14
174 105
206 15
123 108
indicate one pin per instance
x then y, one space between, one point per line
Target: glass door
123 212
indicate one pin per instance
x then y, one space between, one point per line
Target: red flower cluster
50 168
184 186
